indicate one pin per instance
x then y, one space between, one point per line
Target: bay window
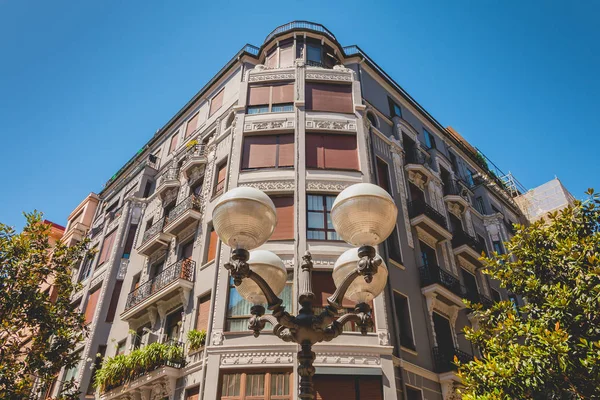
271 98
268 151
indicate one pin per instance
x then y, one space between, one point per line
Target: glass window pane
332 236
330 200
329 222
280 384
313 53
315 220
315 235
258 109
315 203
255 384
231 385
282 108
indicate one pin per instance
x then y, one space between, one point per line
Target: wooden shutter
173 144
203 313
335 387
340 152
192 125
114 301
328 97
286 150
216 102
90 307
258 95
107 247
271 61
212 246
259 152
193 393
314 151
382 175
285 218
370 387
286 56
283 93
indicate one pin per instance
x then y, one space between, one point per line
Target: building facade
300 118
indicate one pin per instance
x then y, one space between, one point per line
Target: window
71 373
498 247
212 245
271 98
514 302
404 322
496 295
479 205
332 151
319 225
383 177
470 179
372 119
216 103
114 301
483 244
395 110
173 325
203 312
257 386
329 97
97 364
90 307
453 161
429 139
86 269
129 242
238 309
107 247
348 387
393 242
284 205
268 151
193 393
413 394
313 54
121 347
191 125
220 182
173 144
271 59
286 53
147 189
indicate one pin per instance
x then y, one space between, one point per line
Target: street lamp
363 215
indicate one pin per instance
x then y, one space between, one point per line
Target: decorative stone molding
98 279
456 209
384 337
269 125
217 338
331 125
256 358
263 75
328 186
157 255
271 186
196 173
417 178
335 358
397 158
77 296
426 237
170 195
433 304
329 75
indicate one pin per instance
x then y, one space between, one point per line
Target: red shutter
90 307
203 313
286 56
114 301
107 247
216 102
193 393
370 387
382 175
335 387
314 151
285 218
271 61
328 97
258 95
173 144
286 150
340 152
323 287
259 152
283 93
191 125
212 246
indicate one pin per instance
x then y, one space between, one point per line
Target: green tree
37 332
550 347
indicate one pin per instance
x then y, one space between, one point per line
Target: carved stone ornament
271 186
269 125
329 75
384 337
329 186
331 125
255 358
263 74
217 338
418 179
426 238
455 208
347 359
170 195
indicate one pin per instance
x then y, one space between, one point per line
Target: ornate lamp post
363 215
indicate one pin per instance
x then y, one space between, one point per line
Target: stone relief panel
331 125
331 358
329 75
271 75
256 358
269 125
271 186
329 186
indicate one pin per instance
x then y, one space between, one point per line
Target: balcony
154 238
455 196
475 297
423 216
300 25
172 284
446 286
444 359
467 247
132 380
195 157
185 213
168 180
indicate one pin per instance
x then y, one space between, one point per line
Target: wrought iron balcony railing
416 156
460 238
300 25
476 297
452 188
154 230
444 358
197 150
420 207
312 63
153 161
182 269
172 174
192 202
432 274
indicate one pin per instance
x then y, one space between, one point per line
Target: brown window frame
217 191
212 111
277 152
323 150
325 213
267 385
264 108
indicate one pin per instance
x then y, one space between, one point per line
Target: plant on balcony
191 143
196 339
548 348
120 369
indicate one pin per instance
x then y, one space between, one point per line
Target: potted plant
196 339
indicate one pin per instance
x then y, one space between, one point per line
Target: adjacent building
301 117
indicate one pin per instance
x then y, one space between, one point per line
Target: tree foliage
37 332
550 347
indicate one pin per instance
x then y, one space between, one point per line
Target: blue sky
84 84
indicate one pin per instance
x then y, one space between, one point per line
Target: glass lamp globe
359 291
269 267
364 214
244 217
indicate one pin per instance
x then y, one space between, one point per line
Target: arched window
372 118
